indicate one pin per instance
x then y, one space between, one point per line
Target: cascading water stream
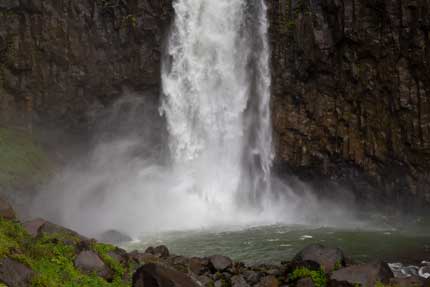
216 87
216 82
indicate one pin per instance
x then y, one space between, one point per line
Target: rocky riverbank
40 253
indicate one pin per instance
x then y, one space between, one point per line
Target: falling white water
216 81
216 102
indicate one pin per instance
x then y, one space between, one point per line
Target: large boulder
328 258
155 275
198 266
6 210
33 226
89 262
220 263
160 251
366 274
15 274
114 237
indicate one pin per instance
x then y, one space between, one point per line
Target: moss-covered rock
51 257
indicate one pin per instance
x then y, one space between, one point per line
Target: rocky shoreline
40 253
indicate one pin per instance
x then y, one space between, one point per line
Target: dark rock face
366 275
33 226
351 94
351 84
13 273
328 258
154 275
61 61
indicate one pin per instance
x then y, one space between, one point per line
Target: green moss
103 251
21 158
318 277
130 20
12 237
51 257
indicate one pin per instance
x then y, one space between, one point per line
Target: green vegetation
318 277
51 257
21 159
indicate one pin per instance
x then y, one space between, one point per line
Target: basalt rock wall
61 61
351 80
351 94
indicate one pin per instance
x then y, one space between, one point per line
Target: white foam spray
217 99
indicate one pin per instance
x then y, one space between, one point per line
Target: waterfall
216 85
216 102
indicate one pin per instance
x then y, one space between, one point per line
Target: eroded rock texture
352 93
351 80
61 60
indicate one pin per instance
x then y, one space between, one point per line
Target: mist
127 182
201 154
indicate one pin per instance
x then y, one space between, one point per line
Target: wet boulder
33 226
155 275
114 237
364 274
239 281
327 258
6 210
198 266
161 251
13 273
220 263
89 262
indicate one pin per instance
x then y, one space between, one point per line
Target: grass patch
51 257
318 277
21 159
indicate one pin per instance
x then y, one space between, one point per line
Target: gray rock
220 263
51 228
328 258
114 237
33 226
252 277
155 275
15 274
90 262
239 281
366 274
218 283
161 251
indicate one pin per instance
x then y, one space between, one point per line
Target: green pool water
273 244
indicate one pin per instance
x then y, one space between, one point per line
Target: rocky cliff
62 60
351 79
352 93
